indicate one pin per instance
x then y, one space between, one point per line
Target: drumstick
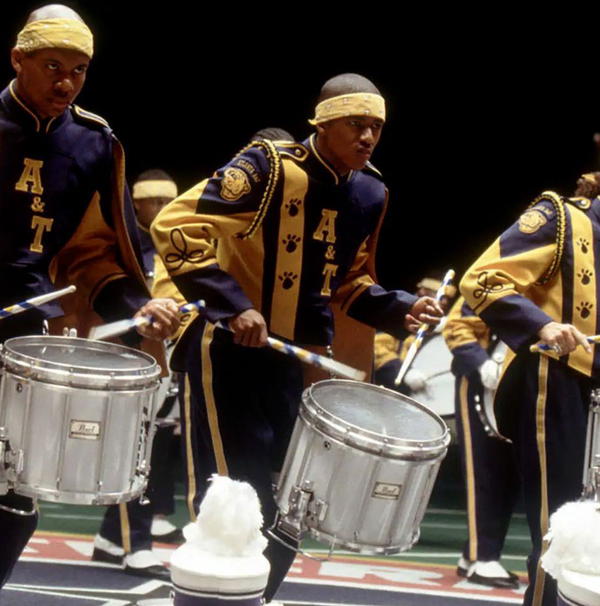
17 308
308 357
120 327
416 344
311 358
544 347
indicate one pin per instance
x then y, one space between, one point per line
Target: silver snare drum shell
360 467
78 417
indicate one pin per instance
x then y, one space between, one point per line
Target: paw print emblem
585 309
585 275
584 245
287 279
291 242
293 206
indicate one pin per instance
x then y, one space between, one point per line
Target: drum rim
368 440
72 375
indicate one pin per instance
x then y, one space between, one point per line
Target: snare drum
591 466
360 467
434 360
77 418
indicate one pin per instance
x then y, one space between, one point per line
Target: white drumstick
416 344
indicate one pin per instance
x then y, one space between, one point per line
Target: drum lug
591 489
317 510
11 462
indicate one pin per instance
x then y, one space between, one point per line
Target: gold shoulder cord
558 204
274 174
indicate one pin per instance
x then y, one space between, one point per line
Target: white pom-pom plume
574 537
229 520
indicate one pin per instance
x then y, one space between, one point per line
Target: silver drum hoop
430 445
76 362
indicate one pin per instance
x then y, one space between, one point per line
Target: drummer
490 474
390 351
60 218
537 282
127 530
296 226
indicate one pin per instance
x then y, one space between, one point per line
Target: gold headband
56 33
353 104
159 188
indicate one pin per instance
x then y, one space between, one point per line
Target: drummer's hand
165 319
249 329
563 338
426 310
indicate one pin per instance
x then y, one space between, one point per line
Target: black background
485 109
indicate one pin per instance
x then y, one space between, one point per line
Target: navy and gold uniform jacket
539 270
467 337
293 237
66 217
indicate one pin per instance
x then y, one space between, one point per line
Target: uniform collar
19 111
320 168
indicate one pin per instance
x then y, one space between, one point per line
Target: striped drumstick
120 327
17 308
416 344
308 357
544 347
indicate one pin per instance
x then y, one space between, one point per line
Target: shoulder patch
549 212
580 203
530 221
235 184
293 150
82 115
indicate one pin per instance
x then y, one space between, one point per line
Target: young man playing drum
537 282
66 217
296 227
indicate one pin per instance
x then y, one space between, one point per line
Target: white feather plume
229 520
574 537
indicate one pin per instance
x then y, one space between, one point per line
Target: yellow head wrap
154 188
56 33
353 104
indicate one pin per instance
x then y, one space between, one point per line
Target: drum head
78 362
367 413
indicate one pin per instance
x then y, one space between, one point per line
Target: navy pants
239 409
542 407
129 524
490 474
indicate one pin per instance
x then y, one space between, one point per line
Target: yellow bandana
353 104
159 188
56 33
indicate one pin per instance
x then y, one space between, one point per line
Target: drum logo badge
383 490
84 430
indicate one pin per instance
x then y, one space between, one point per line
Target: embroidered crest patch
531 221
235 184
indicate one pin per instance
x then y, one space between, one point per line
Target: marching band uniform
542 269
491 478
125 535
293 236
66 219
